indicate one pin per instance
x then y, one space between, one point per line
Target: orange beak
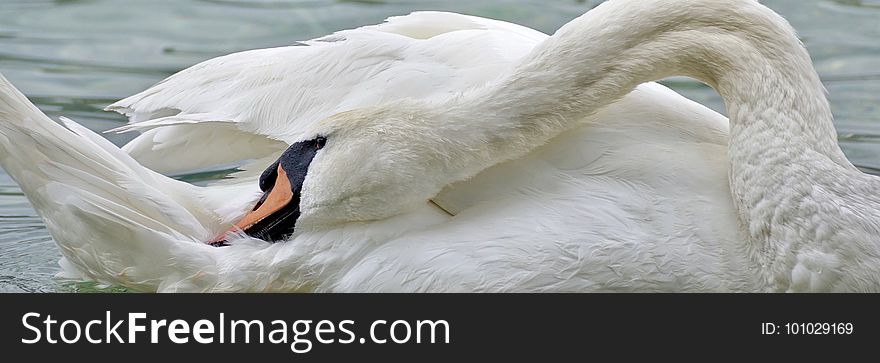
277 198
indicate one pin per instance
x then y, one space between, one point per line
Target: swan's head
360 165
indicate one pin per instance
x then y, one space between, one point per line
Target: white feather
560 176
278 92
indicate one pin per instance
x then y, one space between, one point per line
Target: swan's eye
320 142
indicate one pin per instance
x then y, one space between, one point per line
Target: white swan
630 197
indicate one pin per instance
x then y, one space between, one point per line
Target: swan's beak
274 217
269 217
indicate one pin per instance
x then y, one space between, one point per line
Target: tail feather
109 215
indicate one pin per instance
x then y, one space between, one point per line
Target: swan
559 172
122 224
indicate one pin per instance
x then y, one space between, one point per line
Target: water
73 57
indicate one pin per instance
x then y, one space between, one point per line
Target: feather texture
570 176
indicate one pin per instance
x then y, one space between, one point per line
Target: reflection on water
73 57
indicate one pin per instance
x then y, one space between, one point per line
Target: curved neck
749 54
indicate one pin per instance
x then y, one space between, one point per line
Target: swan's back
636 199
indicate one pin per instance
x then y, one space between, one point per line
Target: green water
73 57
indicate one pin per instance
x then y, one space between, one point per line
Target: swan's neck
742 49
783 149
778 111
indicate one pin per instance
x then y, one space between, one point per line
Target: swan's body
632 196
